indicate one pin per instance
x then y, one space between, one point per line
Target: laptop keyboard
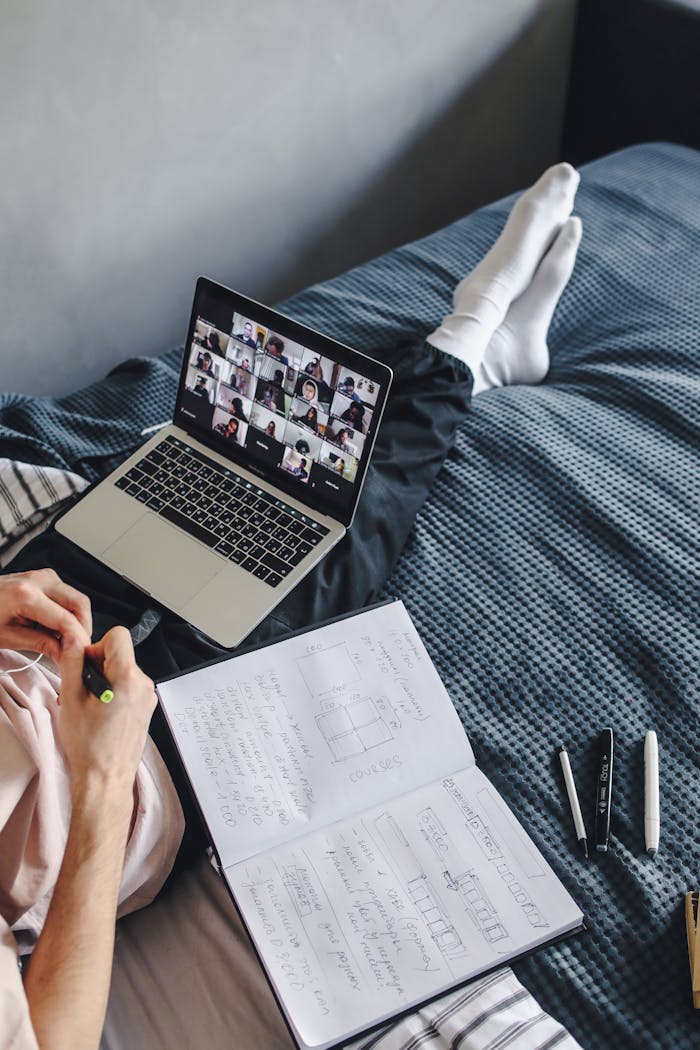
232 516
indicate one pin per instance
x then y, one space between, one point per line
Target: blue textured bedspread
553 573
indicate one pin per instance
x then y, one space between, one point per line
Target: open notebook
374 864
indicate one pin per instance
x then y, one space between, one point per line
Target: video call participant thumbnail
355 415
346 439
357 388
230 429
271 396
240 356
209 339
274 347
246 336
306 415
275 372
198 397
204 362
296 464
247 332
303 441
263 419
240 380
308 390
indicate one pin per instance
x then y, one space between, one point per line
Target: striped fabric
30 497
493 1013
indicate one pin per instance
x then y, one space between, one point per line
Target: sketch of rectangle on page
374 865
270 758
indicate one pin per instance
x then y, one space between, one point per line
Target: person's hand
39 612
104 743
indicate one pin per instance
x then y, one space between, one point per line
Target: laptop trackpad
158 558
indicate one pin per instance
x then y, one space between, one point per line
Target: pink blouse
34 819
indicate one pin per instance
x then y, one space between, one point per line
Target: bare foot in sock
484 297
518 351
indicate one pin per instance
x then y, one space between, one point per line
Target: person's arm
68 978
67 981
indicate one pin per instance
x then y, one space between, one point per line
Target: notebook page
380 912
299 734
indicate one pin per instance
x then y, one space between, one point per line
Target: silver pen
652 818
573 800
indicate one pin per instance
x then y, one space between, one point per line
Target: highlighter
96 683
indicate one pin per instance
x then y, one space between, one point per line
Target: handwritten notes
281 741
380 911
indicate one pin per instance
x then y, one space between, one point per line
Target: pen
97 683
604 791
573 800
651 793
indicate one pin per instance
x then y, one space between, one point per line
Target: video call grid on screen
266 399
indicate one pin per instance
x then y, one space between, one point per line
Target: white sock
482 298
518 351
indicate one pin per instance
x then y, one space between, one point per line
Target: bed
553 572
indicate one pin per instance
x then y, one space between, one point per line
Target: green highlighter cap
97 683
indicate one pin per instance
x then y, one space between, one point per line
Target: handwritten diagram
328 672
462 879
489 845
422 892
354 728
443 933
350 724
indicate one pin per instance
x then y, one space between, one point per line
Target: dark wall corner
635 76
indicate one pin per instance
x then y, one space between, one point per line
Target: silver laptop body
219 515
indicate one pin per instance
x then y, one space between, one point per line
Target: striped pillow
30 497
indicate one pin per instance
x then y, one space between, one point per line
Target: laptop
221 513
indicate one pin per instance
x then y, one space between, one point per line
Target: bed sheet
554 575
553 572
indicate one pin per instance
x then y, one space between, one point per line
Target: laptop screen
288 403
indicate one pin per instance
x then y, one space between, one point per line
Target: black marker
96 683
604 791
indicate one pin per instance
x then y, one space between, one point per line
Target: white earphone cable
24 667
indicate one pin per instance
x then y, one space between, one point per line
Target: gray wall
265 144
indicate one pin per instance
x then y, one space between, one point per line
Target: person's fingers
71 599
114 656
33 606
33 639
95 653
72 657
116 651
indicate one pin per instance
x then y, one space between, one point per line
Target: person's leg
483 300
518 351
429 397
